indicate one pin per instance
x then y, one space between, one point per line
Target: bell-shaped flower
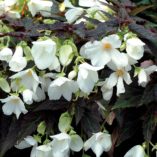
6 54
119 75
42 151
43 53
18 62
26 79
144 72
87 77
99 143
73 14
136 151
59 88
55 65
40 6
102 52
135 48
13 104
62 143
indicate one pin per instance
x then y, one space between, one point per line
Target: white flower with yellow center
43 53
59 88
102 52
135 48
119 75
27 79
87 77
13 104
40 6
18 62
136 151
99 143
6 54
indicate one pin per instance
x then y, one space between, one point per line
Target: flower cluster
53 68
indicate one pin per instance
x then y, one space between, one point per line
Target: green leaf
65 122
85 155
41 128
37 138
4 85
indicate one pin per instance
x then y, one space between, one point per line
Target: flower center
107 46
120 72
29 73
15 101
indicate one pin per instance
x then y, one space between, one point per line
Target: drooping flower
59 88
13 104
135 48
40 6
73 14
99 143
87 77
136 151
43 53
26 79
62 143
18 62
144 72
102 52
6 54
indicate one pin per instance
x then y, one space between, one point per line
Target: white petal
112 81
73 14
107 93
90 142
97 149
6 54
27 96
120 86
136 151
142 77
127 78
54 93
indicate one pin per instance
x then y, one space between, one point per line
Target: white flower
6 54
40 6
87 77
55 65
27 79
102 52
41 151
59 88
73 14
13 14
65 55
27 96
18 62
26 143
144 74
136 151
99 142
13 104
43 53
62 143
135 48
68 4
116 78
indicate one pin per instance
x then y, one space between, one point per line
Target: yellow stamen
29 73
120 72
107 46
